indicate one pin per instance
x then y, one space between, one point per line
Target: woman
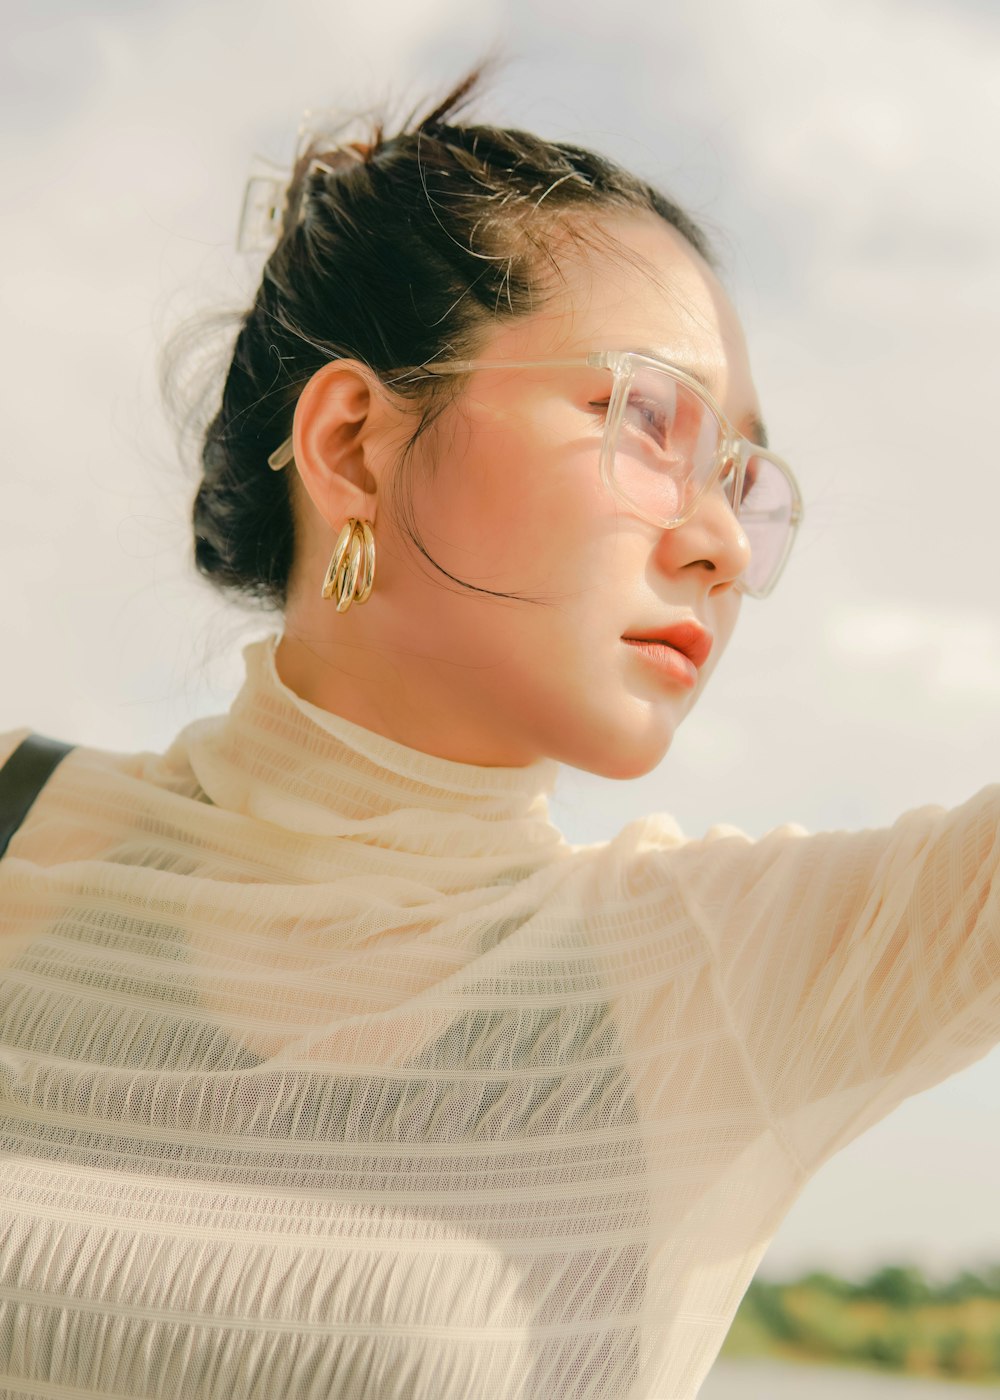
332 1069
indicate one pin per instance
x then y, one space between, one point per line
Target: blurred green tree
900 1285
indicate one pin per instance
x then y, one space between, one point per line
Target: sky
842 157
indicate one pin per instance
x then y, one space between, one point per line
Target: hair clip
265 198
264 201
318 166
335 131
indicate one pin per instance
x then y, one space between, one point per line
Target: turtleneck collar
280 758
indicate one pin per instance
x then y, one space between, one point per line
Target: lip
689 637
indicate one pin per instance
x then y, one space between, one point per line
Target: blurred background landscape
894 1321
842 155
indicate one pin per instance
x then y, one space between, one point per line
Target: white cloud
956 653
895 124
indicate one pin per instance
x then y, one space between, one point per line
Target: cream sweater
331 1071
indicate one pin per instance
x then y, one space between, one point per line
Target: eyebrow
755 427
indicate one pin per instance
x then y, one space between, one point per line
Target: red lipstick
690 638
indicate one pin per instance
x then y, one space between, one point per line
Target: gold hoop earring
351 571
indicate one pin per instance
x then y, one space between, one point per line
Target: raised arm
859 968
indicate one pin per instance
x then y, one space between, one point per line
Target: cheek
474 496
722 625
514 511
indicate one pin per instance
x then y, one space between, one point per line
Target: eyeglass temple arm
283 454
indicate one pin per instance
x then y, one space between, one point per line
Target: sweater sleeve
857 967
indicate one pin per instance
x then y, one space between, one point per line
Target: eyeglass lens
667 446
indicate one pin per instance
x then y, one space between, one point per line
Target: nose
712 540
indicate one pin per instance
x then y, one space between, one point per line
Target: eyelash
635 401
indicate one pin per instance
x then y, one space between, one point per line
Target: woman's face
507 495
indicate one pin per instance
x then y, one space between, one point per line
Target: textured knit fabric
330 1070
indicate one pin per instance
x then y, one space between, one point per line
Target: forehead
642 287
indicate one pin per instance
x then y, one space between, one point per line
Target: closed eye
646 414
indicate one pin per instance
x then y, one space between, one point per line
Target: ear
342 434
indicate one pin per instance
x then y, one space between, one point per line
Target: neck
406 697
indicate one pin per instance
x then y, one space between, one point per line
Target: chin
638 767
635 760
618 736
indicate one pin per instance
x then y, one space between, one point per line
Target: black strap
22 778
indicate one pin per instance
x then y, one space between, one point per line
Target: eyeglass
665 444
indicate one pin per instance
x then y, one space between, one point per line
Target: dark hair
404 256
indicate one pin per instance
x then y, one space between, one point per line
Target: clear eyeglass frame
735 450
